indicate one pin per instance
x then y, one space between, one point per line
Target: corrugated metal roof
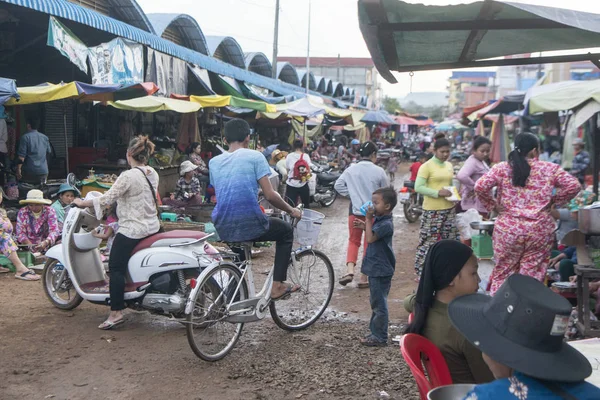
338 89
286 72
226 48
187 25
320 84
259 63
302 75
131 13
73 12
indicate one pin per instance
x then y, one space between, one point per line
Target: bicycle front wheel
209 333
313 272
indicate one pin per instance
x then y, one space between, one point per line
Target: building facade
469 88
358 73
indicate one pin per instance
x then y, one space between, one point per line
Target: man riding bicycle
237 215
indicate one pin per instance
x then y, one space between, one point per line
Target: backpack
301 170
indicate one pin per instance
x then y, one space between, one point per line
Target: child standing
414 168
379 263
392 167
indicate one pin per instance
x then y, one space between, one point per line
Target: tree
390 104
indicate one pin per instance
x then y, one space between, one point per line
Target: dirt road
48 353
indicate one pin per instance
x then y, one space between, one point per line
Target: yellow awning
153 104
45 93
223 101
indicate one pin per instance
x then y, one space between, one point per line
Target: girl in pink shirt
526 190
473 169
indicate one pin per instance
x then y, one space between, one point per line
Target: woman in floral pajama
8 248
37 224
526 190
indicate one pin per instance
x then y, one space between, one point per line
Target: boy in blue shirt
379 262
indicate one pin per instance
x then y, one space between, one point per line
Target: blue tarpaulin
8 89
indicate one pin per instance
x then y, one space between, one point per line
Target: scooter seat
328 177
151 241
409 184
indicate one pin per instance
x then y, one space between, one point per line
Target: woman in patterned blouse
526 191
194 155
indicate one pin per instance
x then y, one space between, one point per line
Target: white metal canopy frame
407 37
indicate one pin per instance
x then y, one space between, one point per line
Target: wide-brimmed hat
522 327
187 166
35 196
65 187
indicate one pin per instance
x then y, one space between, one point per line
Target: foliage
391 104
436 113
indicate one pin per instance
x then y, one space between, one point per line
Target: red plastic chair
418 351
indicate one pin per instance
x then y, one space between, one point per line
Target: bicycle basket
308 228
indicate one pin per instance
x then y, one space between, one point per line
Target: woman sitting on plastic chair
450 271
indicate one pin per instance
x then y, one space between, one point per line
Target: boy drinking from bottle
379 262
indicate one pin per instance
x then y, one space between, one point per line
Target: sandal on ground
4 270
106 325
346 279
27 276
363 285
372 341
286 294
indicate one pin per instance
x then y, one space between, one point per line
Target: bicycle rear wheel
314 273
209 333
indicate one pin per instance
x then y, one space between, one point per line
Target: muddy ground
47 353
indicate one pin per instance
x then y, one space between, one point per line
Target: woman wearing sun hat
8 248
188 191
520 332
37 223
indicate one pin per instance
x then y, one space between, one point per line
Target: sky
334 29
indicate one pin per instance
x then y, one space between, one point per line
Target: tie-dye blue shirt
237 215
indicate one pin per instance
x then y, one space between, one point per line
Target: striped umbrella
500 142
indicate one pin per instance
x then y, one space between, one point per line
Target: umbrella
378 117
301 108
400 120
154 104
8 89
500 144
449 125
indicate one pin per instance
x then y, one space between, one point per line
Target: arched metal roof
226 48
286 72
320 81
353 92
186 25
347 91
259 63
338 89
312 81
328 87
130 12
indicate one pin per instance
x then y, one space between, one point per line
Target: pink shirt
472 170
533 201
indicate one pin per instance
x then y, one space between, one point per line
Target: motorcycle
321 185
161 271
412 202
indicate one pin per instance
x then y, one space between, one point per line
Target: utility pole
338 67
308 51
275 40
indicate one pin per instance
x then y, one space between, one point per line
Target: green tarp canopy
414 37
561 96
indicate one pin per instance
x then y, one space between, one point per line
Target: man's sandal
346 279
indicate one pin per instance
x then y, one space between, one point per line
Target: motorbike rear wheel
57 285
409 210
328 203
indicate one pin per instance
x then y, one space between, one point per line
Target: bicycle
224 298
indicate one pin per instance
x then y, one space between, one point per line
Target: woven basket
186 226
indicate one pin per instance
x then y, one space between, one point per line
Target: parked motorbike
321 187
161 270
412 202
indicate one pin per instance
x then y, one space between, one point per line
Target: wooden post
596 150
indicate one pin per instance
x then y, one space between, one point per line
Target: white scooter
160 275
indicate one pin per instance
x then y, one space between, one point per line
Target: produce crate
186 226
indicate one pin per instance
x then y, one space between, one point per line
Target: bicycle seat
168 238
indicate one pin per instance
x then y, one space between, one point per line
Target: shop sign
118 62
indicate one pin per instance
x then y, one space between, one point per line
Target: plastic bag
463 222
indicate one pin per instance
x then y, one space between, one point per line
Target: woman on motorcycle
359 182
438 219
135 193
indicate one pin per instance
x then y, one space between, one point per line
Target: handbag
161 228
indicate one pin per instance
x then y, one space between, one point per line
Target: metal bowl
483 225
450 392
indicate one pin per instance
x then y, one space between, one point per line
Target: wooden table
584 324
